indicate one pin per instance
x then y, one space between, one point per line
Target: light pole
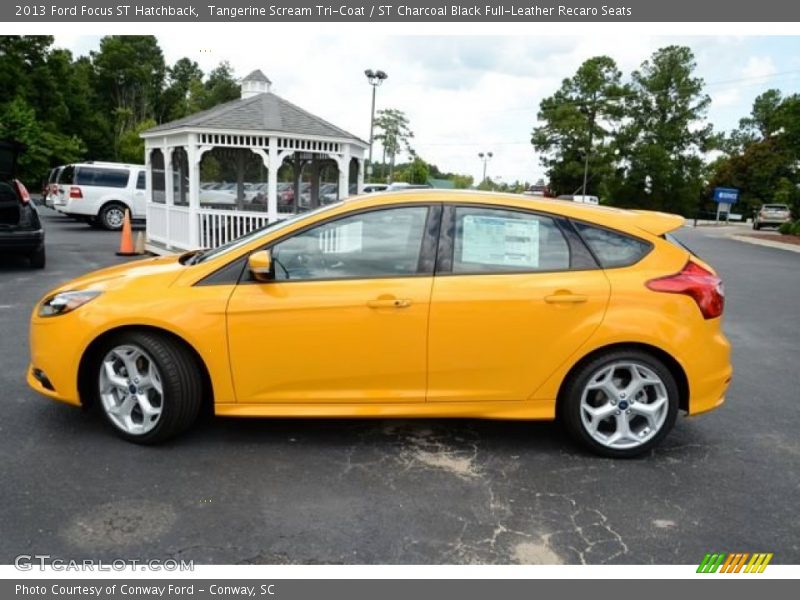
375 78
484 156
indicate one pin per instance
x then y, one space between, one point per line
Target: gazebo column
315 172
272 179
344 173
239 179
360 182
194 191
169 191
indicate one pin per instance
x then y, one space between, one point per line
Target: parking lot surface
426 491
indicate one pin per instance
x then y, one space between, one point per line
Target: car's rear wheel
620 404
148 386
37 258
112 216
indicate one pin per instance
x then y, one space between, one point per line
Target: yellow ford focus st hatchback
413 304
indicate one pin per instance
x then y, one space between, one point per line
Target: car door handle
565 298
389 303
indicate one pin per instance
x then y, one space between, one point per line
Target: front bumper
56 348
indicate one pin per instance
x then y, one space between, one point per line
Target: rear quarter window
612 248
114 178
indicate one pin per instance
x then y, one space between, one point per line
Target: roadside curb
766 243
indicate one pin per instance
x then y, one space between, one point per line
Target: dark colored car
21 230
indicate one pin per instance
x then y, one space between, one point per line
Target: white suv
100 192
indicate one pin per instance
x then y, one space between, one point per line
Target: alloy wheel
624 405
130 389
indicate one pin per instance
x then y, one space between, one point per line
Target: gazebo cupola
217 174
254 84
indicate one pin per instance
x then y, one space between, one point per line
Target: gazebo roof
262 112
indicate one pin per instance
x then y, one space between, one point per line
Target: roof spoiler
657 223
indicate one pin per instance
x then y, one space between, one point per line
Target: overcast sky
467 94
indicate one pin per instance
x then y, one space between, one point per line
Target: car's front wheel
148 386
620 404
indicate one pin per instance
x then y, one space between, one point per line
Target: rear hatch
9 199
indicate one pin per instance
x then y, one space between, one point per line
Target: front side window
380 243
612 248
489 240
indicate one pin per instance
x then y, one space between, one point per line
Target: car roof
633 221
112 165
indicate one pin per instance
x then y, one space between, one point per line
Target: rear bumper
21 241
709 374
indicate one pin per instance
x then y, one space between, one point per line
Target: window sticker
500 241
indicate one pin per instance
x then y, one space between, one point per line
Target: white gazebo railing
219 227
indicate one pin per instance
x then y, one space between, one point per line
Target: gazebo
218 174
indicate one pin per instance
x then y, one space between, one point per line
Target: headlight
66 302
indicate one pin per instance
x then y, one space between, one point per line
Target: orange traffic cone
126 242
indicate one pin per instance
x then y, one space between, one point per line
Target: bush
796 228
787 228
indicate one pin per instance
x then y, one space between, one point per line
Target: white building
223 164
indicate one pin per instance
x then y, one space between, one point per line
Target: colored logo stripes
735 562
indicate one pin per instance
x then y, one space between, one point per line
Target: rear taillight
75 192
22 191
703 286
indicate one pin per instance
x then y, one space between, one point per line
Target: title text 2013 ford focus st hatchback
410 304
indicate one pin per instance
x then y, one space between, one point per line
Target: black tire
110 216
180 379
756 226
570 401
37 258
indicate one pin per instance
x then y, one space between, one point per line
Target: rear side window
489 240
612 248
67 175
114 178
141 181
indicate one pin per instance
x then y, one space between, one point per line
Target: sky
469 94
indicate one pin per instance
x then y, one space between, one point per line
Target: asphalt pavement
409 491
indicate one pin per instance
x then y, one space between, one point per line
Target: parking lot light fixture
485 157
374 78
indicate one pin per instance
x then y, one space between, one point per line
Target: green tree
185 79
131 145
130 74
221 86
762 156
416 172
394 134
582 115
660 147
44 147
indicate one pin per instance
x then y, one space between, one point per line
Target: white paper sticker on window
500 241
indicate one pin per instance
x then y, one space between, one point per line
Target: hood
167 267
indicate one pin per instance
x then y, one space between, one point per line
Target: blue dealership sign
726 195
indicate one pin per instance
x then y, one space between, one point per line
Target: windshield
247 238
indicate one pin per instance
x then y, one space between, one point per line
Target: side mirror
260 265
